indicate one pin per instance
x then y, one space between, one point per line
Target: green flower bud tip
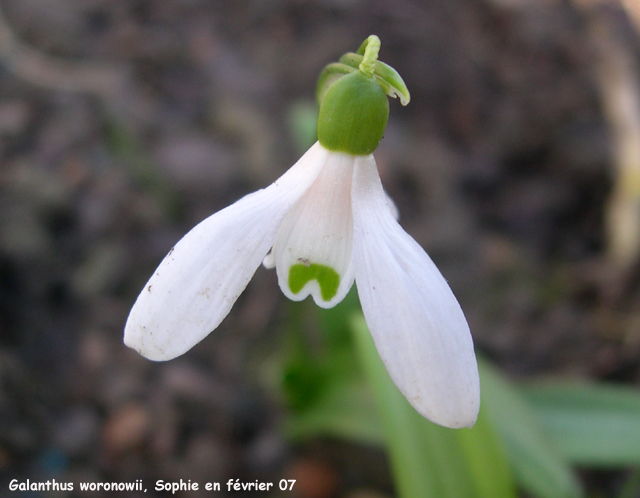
354 108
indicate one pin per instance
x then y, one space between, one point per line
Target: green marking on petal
327 278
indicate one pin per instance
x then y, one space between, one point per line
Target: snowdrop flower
324 224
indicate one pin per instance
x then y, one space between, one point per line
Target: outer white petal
415 320
319 231
200 279
395 212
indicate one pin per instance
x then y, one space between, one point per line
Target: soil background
123 123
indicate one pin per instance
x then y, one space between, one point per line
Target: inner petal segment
313 249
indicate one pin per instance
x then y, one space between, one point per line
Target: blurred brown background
125 122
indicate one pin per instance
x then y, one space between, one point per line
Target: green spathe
327 278
353 115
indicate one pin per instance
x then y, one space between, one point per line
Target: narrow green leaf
345 409
323 383
486 456
538 465
596 425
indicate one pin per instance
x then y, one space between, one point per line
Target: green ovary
327 278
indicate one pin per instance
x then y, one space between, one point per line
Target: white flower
328 222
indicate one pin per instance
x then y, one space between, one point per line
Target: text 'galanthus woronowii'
324 224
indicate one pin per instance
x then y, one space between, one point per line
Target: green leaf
596 425
344 409
322 383
428 460
487 459
538 465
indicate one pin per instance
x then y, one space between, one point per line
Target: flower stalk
370 57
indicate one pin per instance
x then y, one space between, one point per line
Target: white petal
200 279
313 250
395 212
415 320
269 261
